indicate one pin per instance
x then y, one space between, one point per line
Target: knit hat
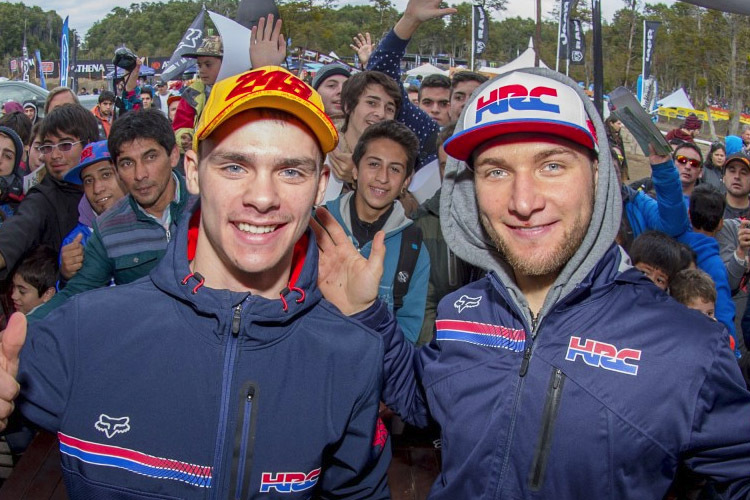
211 47
267 87
12 107
692 123
329 70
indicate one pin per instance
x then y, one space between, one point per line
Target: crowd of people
224 288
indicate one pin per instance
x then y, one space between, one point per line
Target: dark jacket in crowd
45 216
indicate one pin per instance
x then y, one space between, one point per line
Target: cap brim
463 144
195 55
310 114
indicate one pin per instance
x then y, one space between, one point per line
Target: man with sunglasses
689 161
50 209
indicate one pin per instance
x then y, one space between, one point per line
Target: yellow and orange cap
267 87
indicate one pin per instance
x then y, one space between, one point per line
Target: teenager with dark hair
712 167
706 216
104 112
49 210
11 175
689 161
435 98
384 159
695 289
142 148
658 256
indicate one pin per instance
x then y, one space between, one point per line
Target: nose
381 175
261 192
525 197
98 186
140 171
15 295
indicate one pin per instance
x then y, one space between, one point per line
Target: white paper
236 41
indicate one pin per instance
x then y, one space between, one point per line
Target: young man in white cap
225 374
564 373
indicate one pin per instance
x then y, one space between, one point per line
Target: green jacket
447 272
125 245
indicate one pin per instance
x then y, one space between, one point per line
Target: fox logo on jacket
288 482
111 426
599 354
464 302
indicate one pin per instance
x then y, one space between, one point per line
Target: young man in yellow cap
234 374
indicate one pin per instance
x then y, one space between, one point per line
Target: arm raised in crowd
668 214
267 44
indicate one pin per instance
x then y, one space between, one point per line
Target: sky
84 13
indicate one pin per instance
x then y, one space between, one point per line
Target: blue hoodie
165 388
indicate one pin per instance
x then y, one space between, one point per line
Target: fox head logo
111 426
465 301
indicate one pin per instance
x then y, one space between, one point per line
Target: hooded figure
11 184
600 386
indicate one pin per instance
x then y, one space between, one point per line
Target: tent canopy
425 70
525 60
677 99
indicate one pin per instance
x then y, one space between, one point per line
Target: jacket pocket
244 442
133 260
546 432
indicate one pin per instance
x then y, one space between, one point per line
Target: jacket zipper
527 351
244 443
551 407
230 353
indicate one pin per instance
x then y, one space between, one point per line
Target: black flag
577 42
249 12
649 41
481 29
190 42
564 46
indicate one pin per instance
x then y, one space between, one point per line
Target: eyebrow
374 157
304 162
61 139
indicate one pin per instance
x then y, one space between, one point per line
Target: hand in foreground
363 46
417 12
346 278
71 257
743 239
267 44
655 159
12 339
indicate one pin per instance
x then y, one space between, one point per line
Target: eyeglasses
682 160
46 149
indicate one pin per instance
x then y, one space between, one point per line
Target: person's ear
191 172
174 156
325 174
48 294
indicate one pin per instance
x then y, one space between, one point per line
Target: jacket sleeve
430 311
96 272
23 231
402 366
357 467
411 315
724 303
667 213
387 59
719 444
46 368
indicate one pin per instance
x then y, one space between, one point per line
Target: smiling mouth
253 229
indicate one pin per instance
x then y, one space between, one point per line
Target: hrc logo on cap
598 354
288 482
517 97
256 81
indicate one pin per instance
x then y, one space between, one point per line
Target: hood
86 214
395 223
173 276
17 145
467 239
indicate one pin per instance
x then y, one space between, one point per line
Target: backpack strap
411 243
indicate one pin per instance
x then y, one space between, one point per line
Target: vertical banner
649 41
481 28
577 42
191 41
596 18
563 40
25 62
42 81
64 63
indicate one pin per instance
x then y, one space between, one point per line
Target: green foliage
43 30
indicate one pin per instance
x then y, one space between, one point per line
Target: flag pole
473 35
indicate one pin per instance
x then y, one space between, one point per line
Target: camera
125 59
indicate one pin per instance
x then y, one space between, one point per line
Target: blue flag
64 55
42 82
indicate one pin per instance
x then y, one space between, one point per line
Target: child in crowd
695 289
34 280
658 256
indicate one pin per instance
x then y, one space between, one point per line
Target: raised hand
267 44
71 257
11 342
346 278
363 46
342 165
417 12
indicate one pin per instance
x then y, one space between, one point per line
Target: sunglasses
682 160
46 149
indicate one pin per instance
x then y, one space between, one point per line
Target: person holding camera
127 91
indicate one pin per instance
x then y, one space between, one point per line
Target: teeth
249 228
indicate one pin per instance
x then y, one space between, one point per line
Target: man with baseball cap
328 82
564 373
225 373
736 178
